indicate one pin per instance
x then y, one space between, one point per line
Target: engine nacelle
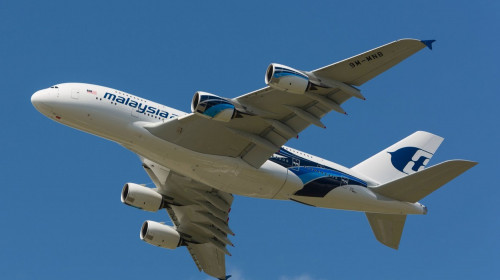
160 235
213 107
286 79
141 197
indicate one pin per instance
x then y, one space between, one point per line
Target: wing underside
199 213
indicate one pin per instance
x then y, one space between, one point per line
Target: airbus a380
227 146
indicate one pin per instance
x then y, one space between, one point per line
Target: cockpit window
54 87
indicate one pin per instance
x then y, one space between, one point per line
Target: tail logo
410 159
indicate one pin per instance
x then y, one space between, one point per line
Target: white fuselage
122 118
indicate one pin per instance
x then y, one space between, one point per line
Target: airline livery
227 147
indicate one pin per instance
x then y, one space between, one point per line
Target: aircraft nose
36 98
40 99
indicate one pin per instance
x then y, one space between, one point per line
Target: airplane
234 146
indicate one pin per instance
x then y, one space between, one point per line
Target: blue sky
61 212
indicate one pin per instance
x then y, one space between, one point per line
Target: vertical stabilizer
403 158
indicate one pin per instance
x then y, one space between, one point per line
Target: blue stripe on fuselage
318 179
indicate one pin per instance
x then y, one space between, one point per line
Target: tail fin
403 158
400 171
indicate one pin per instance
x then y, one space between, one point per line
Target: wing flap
209 259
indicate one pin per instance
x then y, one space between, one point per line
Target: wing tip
428 43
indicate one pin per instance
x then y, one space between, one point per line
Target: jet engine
213 107
141 197
287 79
160 235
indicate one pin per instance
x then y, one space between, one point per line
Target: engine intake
286 79
160 235
141 197
213 107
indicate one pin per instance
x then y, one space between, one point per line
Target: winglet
428 43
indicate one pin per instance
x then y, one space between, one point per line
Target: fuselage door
75 93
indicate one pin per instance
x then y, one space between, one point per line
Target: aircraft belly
272 180
264 182
227 174
316 186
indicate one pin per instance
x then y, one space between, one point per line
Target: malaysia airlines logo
410 159
141 108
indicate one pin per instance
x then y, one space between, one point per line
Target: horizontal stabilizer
418 185
387 228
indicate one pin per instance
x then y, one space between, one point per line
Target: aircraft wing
200 215
273 116
361 68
